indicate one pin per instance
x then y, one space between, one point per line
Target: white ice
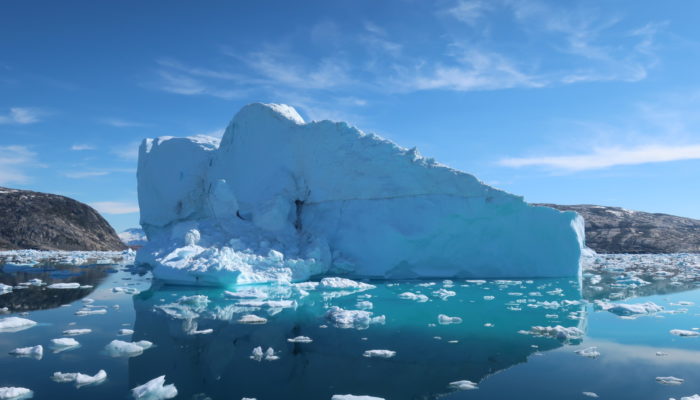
15 393
15 324
379 353
80 379
32 352
120 348
280 200
155 389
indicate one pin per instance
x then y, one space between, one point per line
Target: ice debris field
278 199
121 334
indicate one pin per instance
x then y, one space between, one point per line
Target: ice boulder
280 200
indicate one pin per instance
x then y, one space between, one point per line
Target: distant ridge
43 221
617 230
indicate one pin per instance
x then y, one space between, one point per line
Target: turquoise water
489 347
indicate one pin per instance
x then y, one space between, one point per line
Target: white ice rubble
379 353
15 324
15 393
155 389
36 352
80 379
281 200
120 348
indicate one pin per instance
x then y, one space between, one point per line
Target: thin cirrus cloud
608 157
20 116
14 160
85 174
122 123
82 147
115 207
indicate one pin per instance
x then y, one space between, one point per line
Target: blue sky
567 102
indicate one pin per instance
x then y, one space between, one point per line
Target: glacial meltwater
629 330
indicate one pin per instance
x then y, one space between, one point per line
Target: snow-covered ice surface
281 200
396 348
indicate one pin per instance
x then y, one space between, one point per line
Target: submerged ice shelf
281 200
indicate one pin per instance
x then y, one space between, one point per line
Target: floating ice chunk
693 397
270 354
124 332
489 297
421 298
558 332
76 332
154 390
32 352
681 332
630 309
443 294
257 354
669 380
661 353
63 344
364 305
590 394
463 385
379 353
90 311
15 324
15 393
300 339
68 285
126 290
250 293
343 283
354 397
590 352
119 348
251 319
5 288
445 320
80 379
357 319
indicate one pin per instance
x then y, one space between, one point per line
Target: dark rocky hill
43 221
617 230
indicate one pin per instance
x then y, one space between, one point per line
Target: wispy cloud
21 116
609 157
82 147
13 162
468 11
114 207
121 123
186 84
85 174
128 152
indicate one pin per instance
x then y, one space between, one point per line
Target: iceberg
15 393
281 200
36 352
15 324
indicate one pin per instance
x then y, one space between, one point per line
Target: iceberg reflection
204 344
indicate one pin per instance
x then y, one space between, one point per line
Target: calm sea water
200 345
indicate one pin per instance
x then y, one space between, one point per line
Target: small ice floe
120 348
251 319
590 394
36 352
489 325
80 379
155 389
669 380
444 294
15 324
126 290
421 298
124 332
4 310
15 393
90 311
343 283
4 289
463 385
64 344
627 310
364 305
590 352
300 339
487 298
349 319
268 355
354 397
76 332
661 354
379 353
559 332
682 332
445 320
65 285
33 282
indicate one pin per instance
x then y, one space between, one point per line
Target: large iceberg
281 200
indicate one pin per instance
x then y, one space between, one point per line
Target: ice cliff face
279 199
